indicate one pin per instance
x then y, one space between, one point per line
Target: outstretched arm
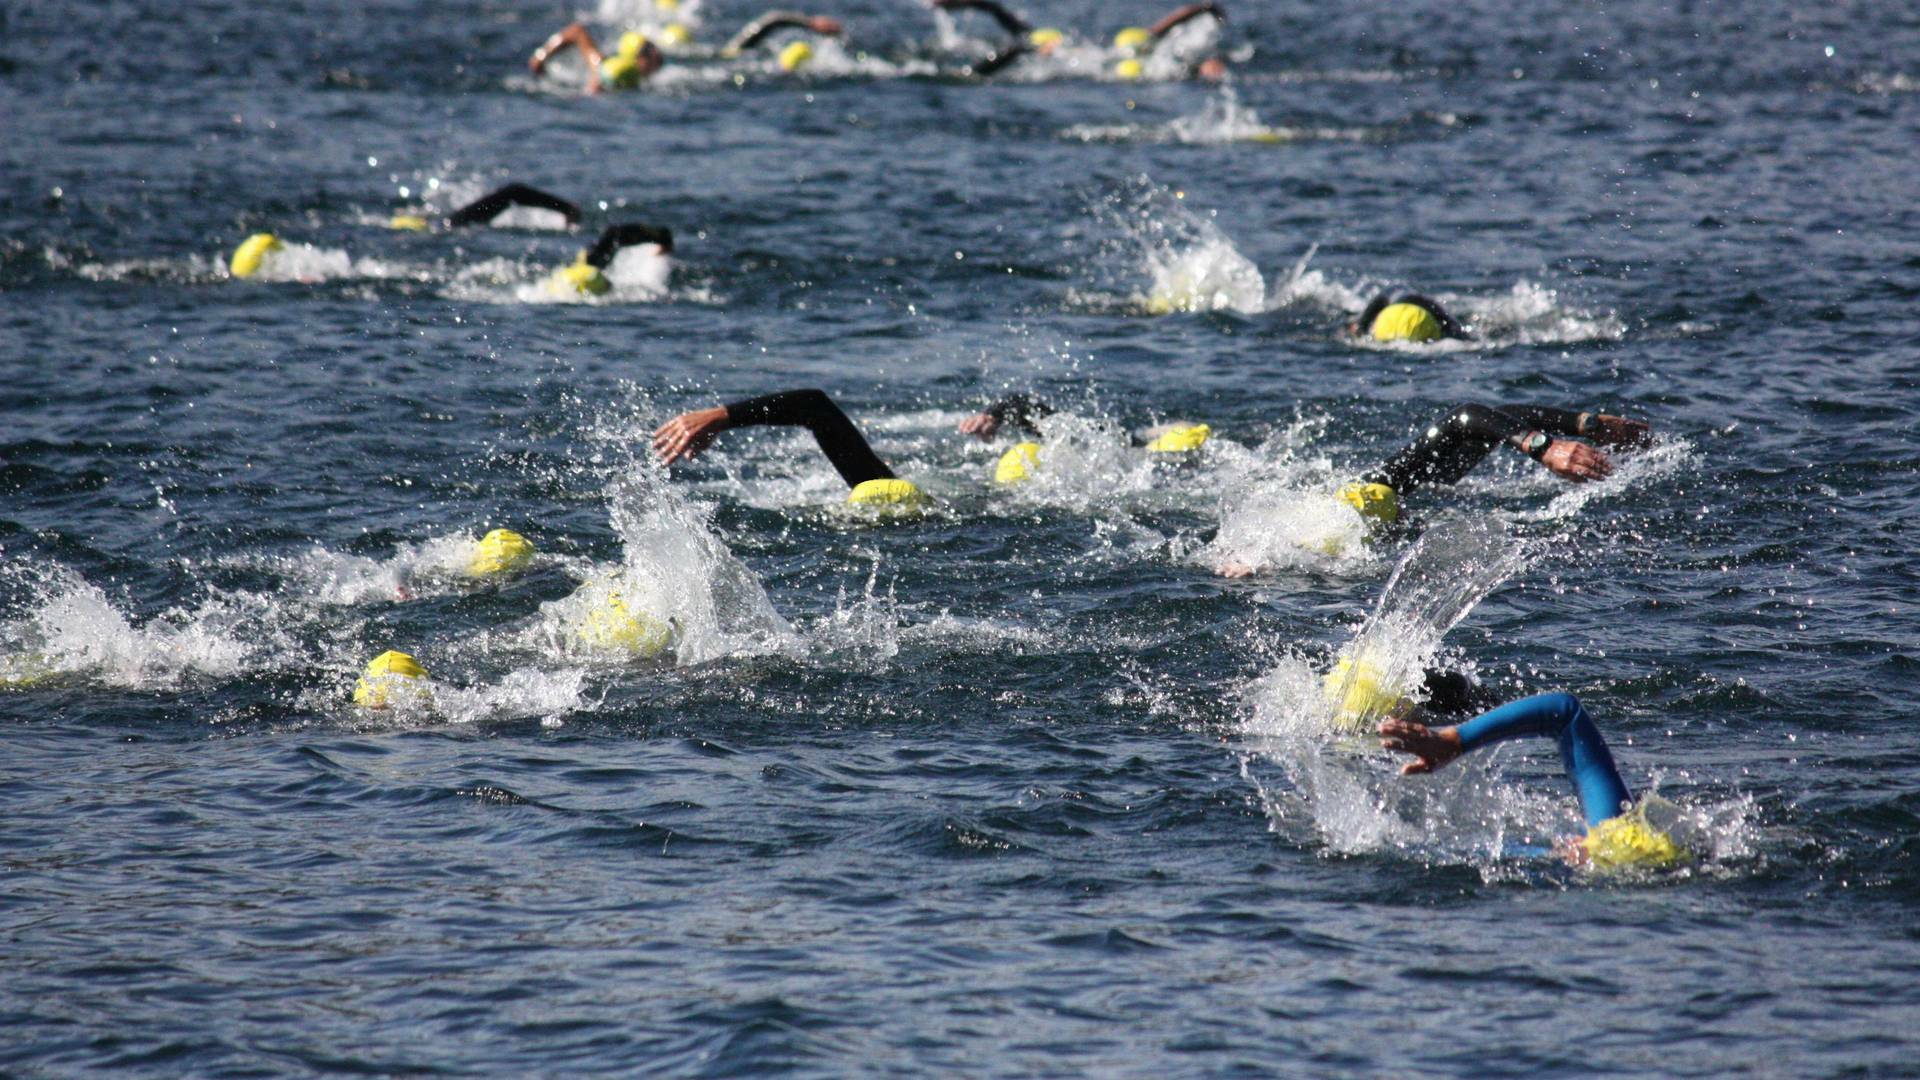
491 205
1453 445
1020 410
687 434
756 31
615 237
1182 14
1011 23
1560 717
572 34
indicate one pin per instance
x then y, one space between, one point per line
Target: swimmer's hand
1234 568
980 425
689 433
1615 430
1430 747
1576 461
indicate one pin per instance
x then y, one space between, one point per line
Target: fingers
1415 768
674 440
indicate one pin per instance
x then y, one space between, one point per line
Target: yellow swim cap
631 43
501 551
1181 438
667 5
1017 464
1406 322
247 257
622 72
390 675
582 277
1361 694
1045 37
1133 39
613 626
676 35
795 55
1376 502
887 493
1129 69
407 222
1628 842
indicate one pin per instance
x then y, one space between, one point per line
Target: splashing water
70 630
1189 263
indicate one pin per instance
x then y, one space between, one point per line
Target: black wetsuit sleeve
1432 307
814 410
1019 410
1449 449
1011 23
491 205
1545 418
615 237
756 31
992 64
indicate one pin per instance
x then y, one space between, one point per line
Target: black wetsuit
757 31
814 410
1448 327
1017 29
1019 411
493 204
1458 441
615 237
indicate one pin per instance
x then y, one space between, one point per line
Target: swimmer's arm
1183 14
1452 446
756 31
687 434
615 237
576 35
1363 324
1020 410
491 205
1011 23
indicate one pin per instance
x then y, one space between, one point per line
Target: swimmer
1023 411
869 479
1619 833
1023 39
772 22
484 209
586 275
1411 317
637 59
1450 448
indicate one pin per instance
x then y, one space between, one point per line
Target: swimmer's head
631 43
1361 693
1129 69
1180 438
1406 322
795 56
500 552
610 625
392 678
407 223
1376 502
1133 40
1045 40
1628 842
251 252
1017 464
582 278
889 494
635 60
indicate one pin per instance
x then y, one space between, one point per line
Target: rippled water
1022 785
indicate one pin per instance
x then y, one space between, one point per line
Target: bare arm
576 35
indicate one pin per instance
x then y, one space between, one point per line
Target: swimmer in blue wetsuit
1618 833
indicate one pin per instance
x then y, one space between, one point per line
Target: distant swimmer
870 481
1133 44
586 275
1450 448
1621 833
636 59
1409 317
484 209
1138 46
1022 413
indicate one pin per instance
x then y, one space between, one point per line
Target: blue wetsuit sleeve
1583 753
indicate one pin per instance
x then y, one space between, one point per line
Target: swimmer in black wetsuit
585 274
869 478
638 59
1410 317
1023 39
484 209
772 22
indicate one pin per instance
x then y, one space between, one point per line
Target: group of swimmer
1571 445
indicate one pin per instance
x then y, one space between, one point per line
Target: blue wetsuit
1583 752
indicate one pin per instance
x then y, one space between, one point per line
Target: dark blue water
1008 788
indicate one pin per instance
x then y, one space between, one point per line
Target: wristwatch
1536 445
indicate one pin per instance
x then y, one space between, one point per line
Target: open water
1020 786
